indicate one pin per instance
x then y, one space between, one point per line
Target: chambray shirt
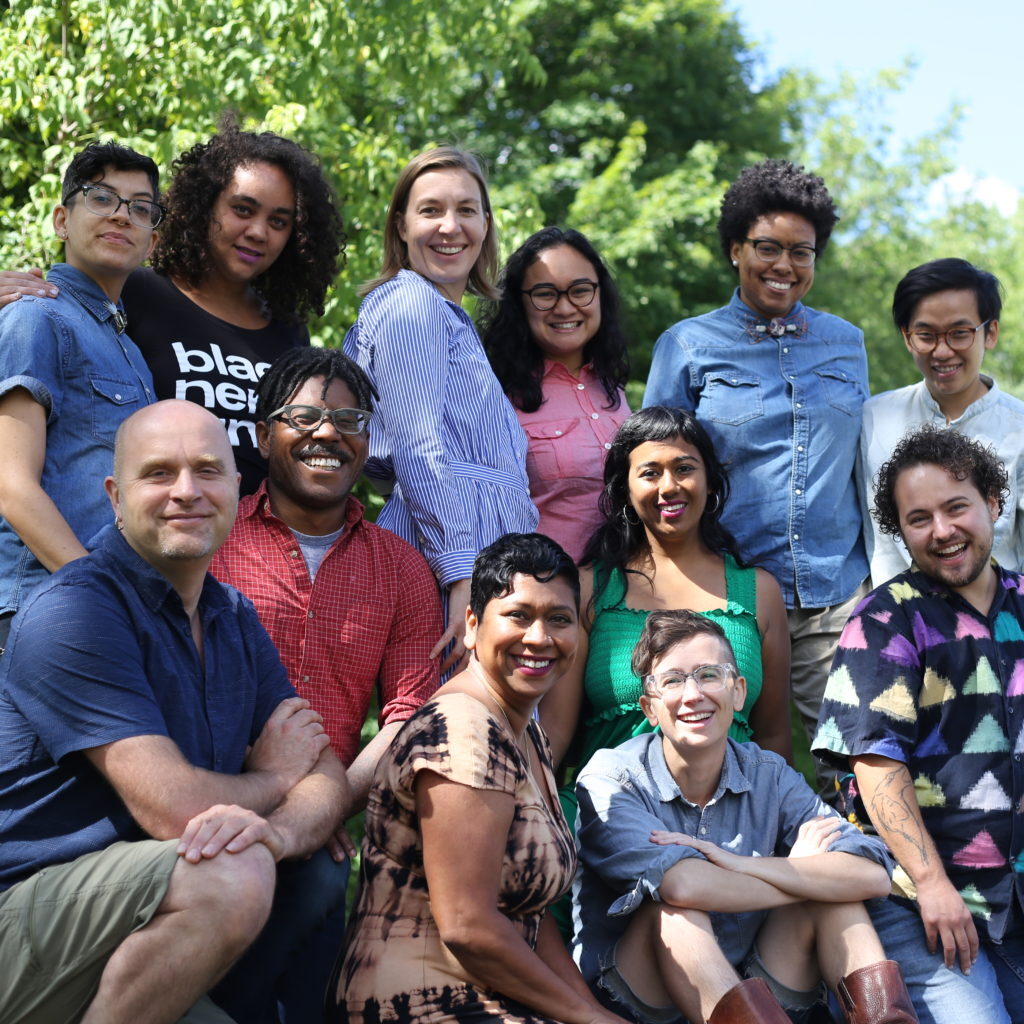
784 417
996 419
443 428
923 678
67 354
101 652
627 792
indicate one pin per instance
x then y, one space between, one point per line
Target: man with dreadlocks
349 605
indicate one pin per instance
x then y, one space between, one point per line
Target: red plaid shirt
371 616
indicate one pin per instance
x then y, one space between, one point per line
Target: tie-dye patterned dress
396 968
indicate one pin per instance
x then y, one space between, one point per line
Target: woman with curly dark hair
250 244
779 388
559 352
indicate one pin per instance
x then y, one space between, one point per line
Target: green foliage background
623 118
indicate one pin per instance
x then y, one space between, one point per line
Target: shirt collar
89 294
153 587
759 328
257 505
552 368
991 397
927 586
732 778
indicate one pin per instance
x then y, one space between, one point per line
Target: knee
236 890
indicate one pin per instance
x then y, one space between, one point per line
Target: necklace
522 744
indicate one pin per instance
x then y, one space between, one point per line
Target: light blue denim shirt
627 792
784 416
67 354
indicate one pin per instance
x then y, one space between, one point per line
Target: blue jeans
290 962
945 995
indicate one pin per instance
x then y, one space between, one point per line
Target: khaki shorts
59 928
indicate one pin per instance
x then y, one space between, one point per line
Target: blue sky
966 53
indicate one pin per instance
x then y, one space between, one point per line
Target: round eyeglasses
105 202
957 338
307 418
769 251
707 679
545 296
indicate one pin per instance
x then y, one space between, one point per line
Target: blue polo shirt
67 353
103 651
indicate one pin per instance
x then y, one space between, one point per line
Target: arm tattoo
893 807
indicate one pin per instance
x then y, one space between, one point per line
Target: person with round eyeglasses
557 347
69 374
947 312
779 387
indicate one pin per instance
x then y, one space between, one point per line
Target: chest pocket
112 402
842 392
553 452
731 397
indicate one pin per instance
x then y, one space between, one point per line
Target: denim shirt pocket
732 398
112 402
842 391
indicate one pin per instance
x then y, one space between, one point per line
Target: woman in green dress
662 545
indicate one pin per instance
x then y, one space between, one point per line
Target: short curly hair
295 285
961 456
515 356
775 186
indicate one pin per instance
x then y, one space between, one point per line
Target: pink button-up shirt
569 436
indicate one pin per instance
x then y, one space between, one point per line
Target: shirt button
798 491
594 416
117 396
785 351
580 387
608 444
558 433
148 392
799 405
799 447
309 615
703 831
294 554
796 536
305 679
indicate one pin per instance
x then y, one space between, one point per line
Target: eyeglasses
545 296
957 338
105 202
707 679
769 251
307 418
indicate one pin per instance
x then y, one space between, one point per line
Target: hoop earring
635 521
711 510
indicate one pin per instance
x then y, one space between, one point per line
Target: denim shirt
626 792
101 652
67 354
784 416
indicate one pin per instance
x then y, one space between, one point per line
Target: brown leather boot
876 995
749 1002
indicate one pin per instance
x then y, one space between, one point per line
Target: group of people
556 591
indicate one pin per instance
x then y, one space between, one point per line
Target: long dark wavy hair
295 285
515 357
618 542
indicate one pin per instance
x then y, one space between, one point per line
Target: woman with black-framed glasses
779 388
558 350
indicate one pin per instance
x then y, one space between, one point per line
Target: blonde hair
396 252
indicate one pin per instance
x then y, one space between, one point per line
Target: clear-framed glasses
707 679
307 418
105 202
545 296
769 251
957 338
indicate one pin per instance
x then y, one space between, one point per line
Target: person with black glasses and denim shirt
69 374
947 312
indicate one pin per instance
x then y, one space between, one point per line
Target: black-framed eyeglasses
769 251
307 418
957 338
545 296
105 202
707 679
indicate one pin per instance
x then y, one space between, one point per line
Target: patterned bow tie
777 327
